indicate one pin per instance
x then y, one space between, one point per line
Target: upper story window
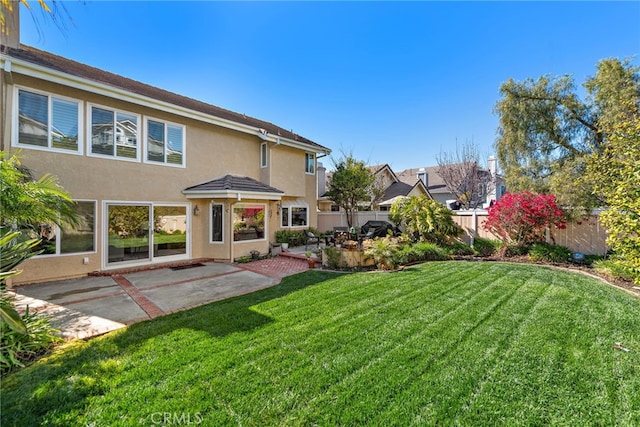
114 133
263 155
309 163
48 122
164 143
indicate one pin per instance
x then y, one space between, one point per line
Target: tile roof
55 62
233 183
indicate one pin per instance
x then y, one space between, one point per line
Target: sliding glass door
129 233
145 232
170 236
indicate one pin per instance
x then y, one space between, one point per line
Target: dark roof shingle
234 183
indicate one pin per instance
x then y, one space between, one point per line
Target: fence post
475 227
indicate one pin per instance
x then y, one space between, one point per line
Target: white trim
115 111
306 163
265 221
151 260
145 133
26 68
58 252
264 155
15 121
211 241
289 204
231 194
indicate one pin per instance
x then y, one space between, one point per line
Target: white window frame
211 205
89 132
166 123
106 265
289 209
15 142
264 155
266 221
59 235
307 158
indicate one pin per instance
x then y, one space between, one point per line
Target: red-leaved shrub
521 219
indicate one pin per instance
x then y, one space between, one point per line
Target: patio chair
311 239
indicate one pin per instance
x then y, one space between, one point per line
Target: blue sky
391 82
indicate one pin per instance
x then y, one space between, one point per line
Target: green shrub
282 236
383 251
17 349
486 247
458 248
334 258
546 252
422 251
612 269
514 250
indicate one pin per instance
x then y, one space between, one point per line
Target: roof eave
20 66
231 194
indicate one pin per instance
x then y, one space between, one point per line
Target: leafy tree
52 9
616 174
547 133
462 175
350 185
424 219
521 219
25 204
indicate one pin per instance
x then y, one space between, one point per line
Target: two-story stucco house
158 177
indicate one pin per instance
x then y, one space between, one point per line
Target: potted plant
282 237
310 260
255 254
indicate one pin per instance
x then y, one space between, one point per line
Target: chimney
11 27
492 165
423 176
322 179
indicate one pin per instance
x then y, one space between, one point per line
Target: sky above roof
390 82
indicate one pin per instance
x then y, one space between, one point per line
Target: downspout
7 79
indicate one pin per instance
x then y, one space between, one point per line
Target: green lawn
444 342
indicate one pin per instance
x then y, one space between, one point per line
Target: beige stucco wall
211 152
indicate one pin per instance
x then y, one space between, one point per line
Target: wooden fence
588 237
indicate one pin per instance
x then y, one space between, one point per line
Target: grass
444 342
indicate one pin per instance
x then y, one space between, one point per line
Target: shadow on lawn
62 383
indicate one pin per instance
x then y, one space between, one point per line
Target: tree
425 220
53 9
350 185
462 175
25 204
616 174
547 133
521 219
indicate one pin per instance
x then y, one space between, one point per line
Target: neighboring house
492 189
157 176
390 188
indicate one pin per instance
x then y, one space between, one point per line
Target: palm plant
425 220
25 203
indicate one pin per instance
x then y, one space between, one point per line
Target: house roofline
231 194
15 65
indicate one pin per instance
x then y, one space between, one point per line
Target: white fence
588 236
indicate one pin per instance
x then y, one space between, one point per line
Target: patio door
129 233
145 232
